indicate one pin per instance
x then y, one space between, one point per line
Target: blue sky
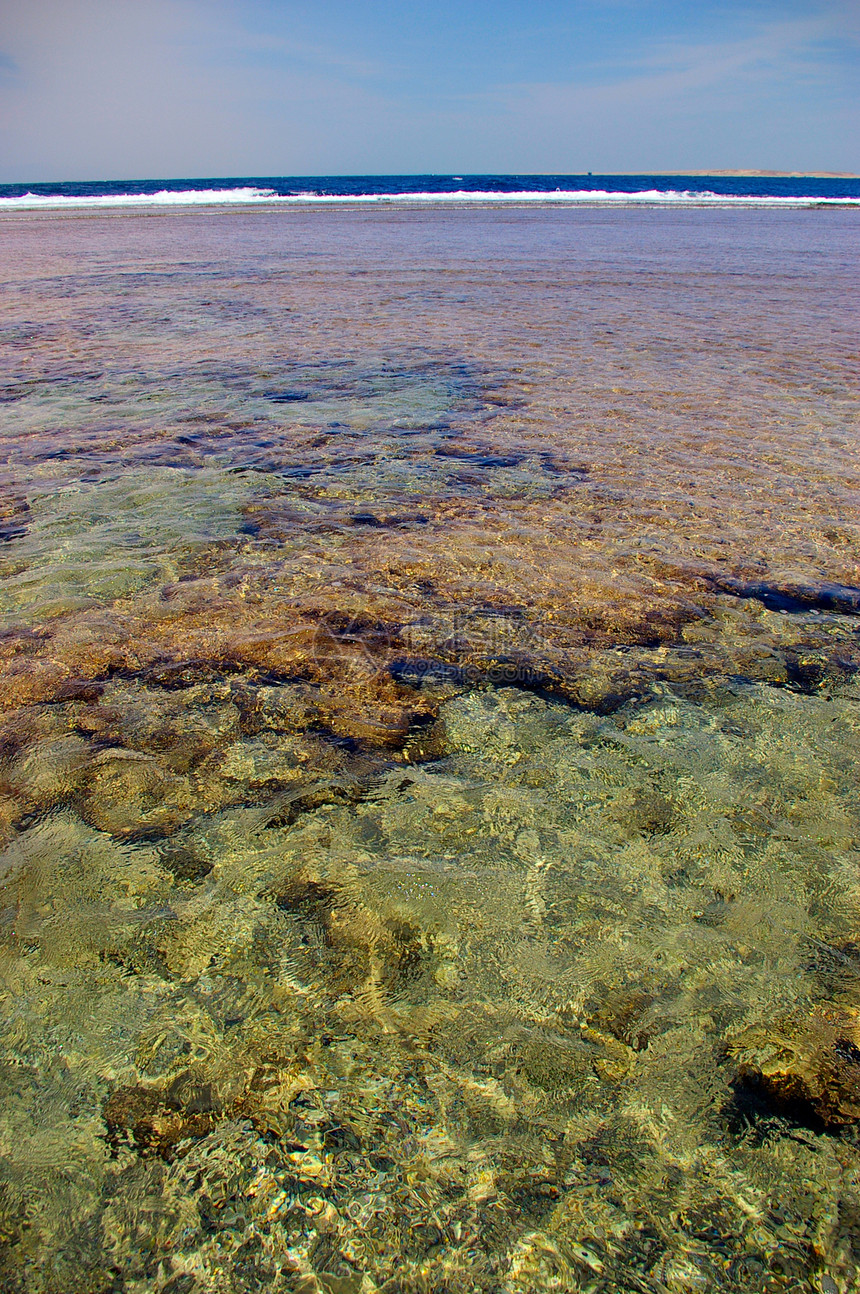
94 89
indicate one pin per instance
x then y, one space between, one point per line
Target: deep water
357 186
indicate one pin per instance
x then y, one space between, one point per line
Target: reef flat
428 752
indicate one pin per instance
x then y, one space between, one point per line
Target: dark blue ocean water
232 188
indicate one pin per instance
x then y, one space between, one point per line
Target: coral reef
428 747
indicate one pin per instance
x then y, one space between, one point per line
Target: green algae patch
90 543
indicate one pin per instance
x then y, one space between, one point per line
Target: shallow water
429 751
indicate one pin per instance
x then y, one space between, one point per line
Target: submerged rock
807 1068
157 1119
129 794
48 772
367 952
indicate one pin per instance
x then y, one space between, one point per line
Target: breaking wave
251 196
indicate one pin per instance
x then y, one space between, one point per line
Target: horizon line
724 173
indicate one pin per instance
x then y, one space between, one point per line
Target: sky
111 89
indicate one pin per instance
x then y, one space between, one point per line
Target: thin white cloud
113 88
219 36
671 67
668 99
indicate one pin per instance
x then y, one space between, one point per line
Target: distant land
765 175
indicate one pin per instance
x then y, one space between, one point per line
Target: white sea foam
255 197
164 198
